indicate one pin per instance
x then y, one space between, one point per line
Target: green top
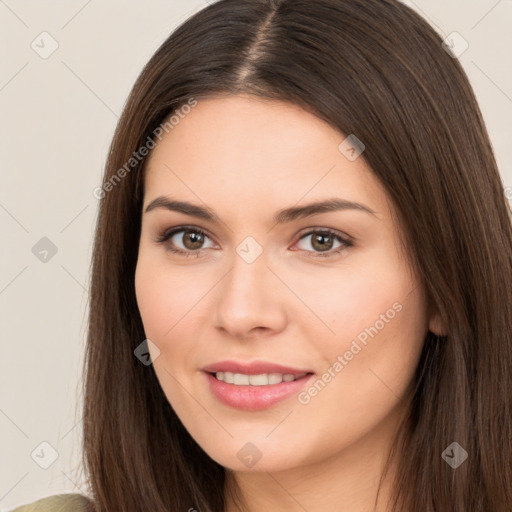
58 503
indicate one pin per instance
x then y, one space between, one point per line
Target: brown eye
189 241
323 241
192 240
184 241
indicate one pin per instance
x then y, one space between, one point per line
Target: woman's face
259 280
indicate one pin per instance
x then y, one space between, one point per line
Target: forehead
251 149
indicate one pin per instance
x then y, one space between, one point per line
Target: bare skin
246 159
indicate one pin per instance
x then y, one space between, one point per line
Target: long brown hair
376 69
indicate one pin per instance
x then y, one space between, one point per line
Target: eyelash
166 235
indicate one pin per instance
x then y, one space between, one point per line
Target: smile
255 392
264 379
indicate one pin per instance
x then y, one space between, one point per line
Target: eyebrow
281 217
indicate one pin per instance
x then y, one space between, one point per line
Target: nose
251 300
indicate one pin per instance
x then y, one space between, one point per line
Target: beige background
58 115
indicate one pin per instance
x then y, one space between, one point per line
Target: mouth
262 379
255 392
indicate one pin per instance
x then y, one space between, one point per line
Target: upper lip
253 368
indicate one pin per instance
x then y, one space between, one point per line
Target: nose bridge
247 281
249 297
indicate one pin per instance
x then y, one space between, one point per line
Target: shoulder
58 503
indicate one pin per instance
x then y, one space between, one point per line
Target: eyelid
324 229
345 239
168 233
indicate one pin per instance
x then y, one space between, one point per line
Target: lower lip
254 398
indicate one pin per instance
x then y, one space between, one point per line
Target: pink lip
253 368
254 398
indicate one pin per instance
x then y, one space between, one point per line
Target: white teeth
264 379
240 379
275 378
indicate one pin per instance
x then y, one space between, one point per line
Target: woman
301 286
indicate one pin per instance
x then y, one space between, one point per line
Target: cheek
165 303
372 359
377 299
164 297
377 320
348 300
154 304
